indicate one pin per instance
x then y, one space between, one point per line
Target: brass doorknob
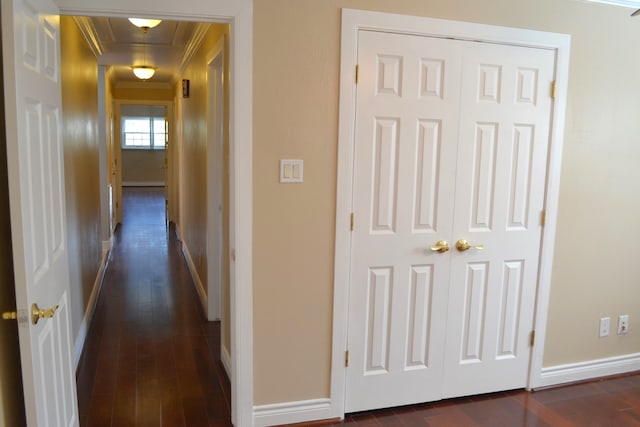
462 245
37 313
9 315
440 246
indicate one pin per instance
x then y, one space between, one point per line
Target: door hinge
543 217
553 89
353 220
357 72
532 338
346 359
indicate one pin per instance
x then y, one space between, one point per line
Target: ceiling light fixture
145 24
143 72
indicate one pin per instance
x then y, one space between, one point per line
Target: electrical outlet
623 324
604 326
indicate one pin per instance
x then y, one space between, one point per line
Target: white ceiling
120 44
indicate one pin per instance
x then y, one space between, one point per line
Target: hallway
150 358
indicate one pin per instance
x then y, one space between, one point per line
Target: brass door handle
9 315
462 245
440 246
37 313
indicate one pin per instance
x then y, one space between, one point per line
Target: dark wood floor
152 359
612 402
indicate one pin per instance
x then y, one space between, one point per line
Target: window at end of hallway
144 133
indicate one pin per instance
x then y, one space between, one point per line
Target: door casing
117 144
356 20
239 14
215 141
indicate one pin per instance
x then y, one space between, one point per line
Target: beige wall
138 92
296 65
143 166
11 403
80 108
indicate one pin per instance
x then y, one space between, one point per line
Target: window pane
159 134
144 132
158 124
136 125
137 139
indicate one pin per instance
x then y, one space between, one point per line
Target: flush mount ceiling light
143 72
145 24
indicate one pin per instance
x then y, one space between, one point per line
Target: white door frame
215 135
117 140
239 14
356 20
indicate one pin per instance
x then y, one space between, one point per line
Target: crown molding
142 85
192 46
90 34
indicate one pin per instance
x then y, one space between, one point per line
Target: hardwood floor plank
151 357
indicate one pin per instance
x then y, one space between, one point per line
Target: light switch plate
291 170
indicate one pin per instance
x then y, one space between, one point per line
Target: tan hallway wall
79 74
11 403
193 142
296 66
143 167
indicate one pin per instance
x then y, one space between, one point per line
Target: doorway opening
238 15
167 136
142 137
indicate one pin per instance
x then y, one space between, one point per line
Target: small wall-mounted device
291 170
185 88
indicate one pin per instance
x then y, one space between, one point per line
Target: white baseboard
143 183
225 358
292 412
571 372
106 247
196 278
177 230
91 307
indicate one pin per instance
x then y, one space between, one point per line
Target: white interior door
406 127
437 161
501 173
30 36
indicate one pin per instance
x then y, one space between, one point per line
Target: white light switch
291 170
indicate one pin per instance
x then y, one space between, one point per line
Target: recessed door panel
419 309
384 175
427 174
378 312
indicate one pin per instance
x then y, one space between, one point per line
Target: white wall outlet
623 324
604 326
